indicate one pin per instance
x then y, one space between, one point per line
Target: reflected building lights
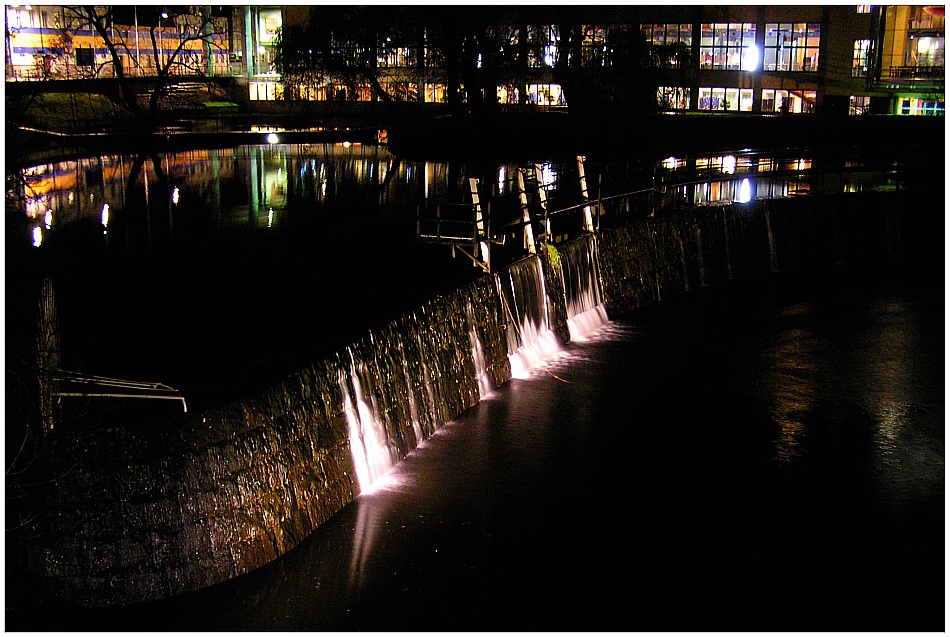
37 236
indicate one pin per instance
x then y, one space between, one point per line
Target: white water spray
372 456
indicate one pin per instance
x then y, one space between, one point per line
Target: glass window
714 98
545 95
658 36
782 101
728 46
396 56
673 97
859 105
791 46
864 8
435 92
594 46
859 60
542 46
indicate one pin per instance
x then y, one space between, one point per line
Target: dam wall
156 504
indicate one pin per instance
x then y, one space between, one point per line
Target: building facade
756 59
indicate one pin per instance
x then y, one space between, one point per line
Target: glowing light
37 236
105 215
175 195
670 163
745 192
48 219
750 59
272 138
270 217
346 144
729 164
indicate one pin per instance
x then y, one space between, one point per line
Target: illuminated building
759 59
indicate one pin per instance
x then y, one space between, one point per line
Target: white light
745 192
729 164
750 59
669 162
270 217
105 215
346 144
175 195
48 219
272 138
37 236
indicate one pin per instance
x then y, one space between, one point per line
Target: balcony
911 78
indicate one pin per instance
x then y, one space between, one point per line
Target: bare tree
185 53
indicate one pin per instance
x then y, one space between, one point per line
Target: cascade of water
372 455
433 398
579 277
478 355
529 335
413 407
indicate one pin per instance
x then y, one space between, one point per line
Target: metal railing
74 385
915 72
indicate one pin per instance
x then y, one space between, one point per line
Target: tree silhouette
164 66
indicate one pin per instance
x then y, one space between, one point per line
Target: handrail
146 390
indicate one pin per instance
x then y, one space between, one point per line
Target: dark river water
763 456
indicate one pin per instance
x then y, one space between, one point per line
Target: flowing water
761 457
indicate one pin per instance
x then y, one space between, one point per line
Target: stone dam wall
157 507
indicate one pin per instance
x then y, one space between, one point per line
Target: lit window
714 98
859 60
860 104
728 46
791 46
864 8
673 97
669 42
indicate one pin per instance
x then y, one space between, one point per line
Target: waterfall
582 298
478 355
413 407
524 295
369 444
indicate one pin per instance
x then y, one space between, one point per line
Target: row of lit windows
718 98
787 46
540 94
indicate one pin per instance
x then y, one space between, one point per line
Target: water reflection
789 376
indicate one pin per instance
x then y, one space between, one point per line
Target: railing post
588 220
528 230
480 245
